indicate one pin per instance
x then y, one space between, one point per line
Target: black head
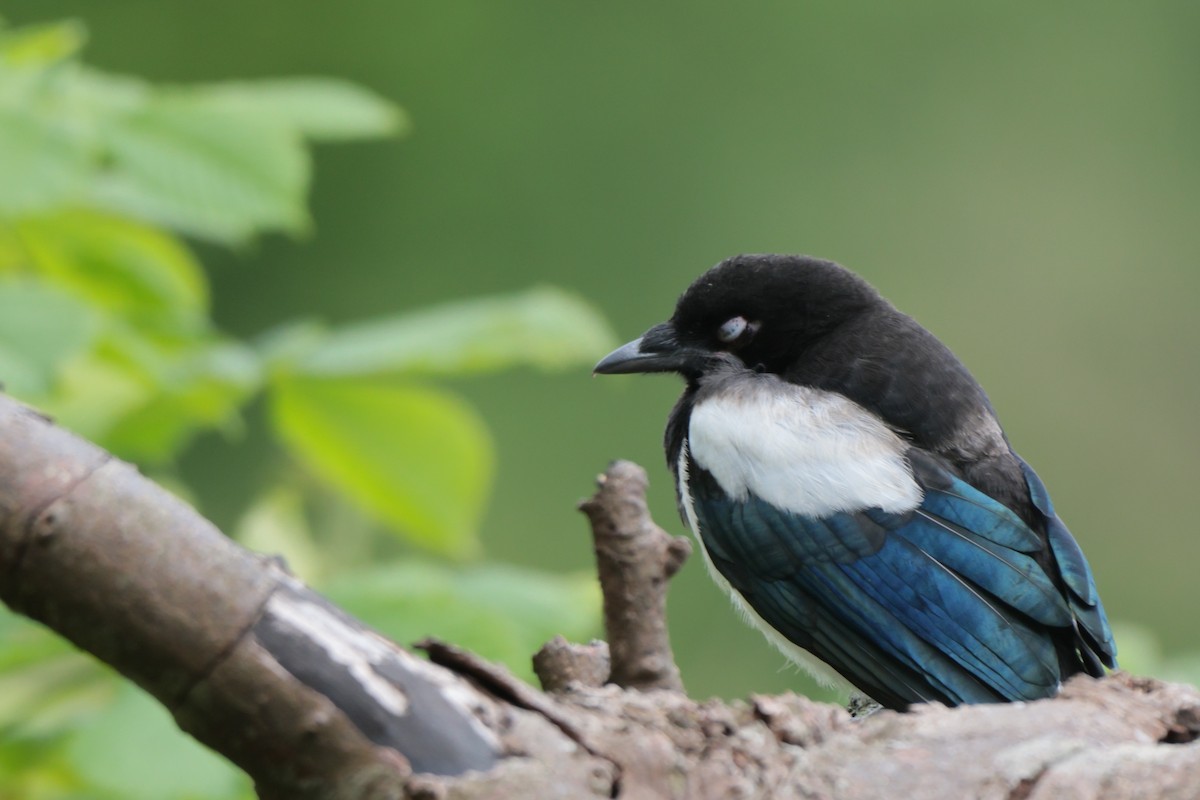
763 309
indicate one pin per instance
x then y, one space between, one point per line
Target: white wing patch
800 449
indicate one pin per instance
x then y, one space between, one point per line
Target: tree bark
312 704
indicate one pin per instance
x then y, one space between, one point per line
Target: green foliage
40 328
44 683
322 109
416 457
105 323
221 162
542 327
166 763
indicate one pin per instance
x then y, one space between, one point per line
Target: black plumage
973 592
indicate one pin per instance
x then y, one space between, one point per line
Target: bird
852 490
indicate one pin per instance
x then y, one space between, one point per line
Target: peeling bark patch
343 646
392 705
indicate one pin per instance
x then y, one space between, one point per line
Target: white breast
804 450
800 449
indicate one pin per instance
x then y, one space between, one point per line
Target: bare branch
635 559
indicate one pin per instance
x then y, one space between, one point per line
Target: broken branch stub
635 560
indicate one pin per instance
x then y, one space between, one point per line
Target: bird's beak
658 350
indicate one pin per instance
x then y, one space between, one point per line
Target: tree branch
249 661
314 705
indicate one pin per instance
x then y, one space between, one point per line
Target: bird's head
763 310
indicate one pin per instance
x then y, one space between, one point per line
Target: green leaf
51 696
94 393
502 612
416 458
41 45
41 165
23 642
318 108
130 270
144 396
12 254
543 327
92 98
208 172
34 768
40 327
45 684
204 386
135 752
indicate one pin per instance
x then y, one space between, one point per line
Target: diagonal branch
248 660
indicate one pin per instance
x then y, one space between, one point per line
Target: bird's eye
732 329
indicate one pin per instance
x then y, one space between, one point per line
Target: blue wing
946 602
1092 623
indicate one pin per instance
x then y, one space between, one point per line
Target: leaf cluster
105 323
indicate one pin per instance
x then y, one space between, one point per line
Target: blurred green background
1023 178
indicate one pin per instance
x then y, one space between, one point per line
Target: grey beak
626 358
658 350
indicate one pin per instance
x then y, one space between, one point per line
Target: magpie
853 492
